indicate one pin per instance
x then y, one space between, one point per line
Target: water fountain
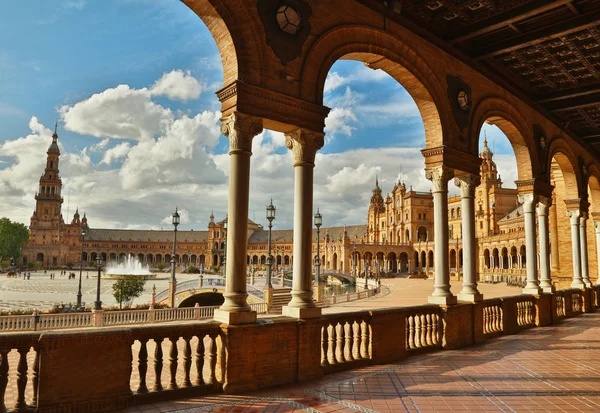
130 268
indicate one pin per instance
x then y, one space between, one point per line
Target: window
419 216
480 224
424 215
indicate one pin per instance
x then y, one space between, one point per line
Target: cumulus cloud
120 112
116 153
334 80
184 217
339 121
177 85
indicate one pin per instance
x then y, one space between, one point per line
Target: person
28 276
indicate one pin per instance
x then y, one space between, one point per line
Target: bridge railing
143 363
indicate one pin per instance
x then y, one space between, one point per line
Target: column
439 177
574 217
467 184
544 236
304 145
597 226
585 274
554 235
529 203
240 129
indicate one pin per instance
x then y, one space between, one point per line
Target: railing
492 317
423 328
66 320
344 298
526 312
19 355
345 338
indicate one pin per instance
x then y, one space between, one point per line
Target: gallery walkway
555 368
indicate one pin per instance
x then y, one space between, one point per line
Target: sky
132 86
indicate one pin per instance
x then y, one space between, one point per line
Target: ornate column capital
439 177
584 217
529 202
574 215
240 129
597 226
467 184
544 205
304 145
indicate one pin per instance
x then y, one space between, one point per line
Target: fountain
131 268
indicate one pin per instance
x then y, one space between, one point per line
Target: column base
532 290
240 317
587 284
549 290
473 298
577 284
302 313
442 300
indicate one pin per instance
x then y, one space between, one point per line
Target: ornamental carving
467 184
439 177
240 129
529 202
287 26
304 145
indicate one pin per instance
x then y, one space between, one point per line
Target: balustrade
492 318
345 338
423 328
17 358
525 312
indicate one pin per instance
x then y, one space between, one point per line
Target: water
337 289
131 266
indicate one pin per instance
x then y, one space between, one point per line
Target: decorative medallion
459 94
287 26
539 136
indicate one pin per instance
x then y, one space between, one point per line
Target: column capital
583 217
544 205
240 129
529 202
597 226
574 215
467 184
439 177
304 145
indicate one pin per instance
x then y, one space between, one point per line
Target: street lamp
354 261
225 250
98 303
80 268
366 275
173 280
318 223
270 217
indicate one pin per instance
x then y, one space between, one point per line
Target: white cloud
120 112
100 145
116 153
177 85
348 177
184 217
339 121
334 80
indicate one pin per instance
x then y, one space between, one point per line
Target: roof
144 235
514 214
287 235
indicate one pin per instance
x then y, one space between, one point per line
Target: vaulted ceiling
547 51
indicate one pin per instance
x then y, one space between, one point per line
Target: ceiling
547 51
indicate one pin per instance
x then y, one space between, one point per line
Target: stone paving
549 369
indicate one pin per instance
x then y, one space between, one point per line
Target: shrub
125 291
160 266
193 270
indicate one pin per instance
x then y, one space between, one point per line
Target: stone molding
240 129
439 177
467 184
533 185
451 158
304 145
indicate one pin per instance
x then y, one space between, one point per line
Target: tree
12 235
131 289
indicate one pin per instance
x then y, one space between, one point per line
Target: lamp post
225 250
270 217
98 303
80 268
366 275
318 223
173 281
354 261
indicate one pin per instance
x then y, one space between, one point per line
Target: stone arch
403 262
498 112
380 50
563 168
422 234
430 258
486 258
452 259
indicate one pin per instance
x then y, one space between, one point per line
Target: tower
485 199
376 208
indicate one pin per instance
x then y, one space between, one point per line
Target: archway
39 257
594 219
495 259
207 299
486 259
392 264
430 258
423 260
452 260
422 234
334 266
404 262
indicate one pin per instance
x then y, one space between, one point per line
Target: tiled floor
553 368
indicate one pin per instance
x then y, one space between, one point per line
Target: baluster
428 331
341 339
485 319
435 332
325 345
213 359
200 351
35 377
187 361
356 340
158 365
348 341
21 378
423 331
173 359
3 378
364 342
411 332
332 345
143 366
418 326
492 320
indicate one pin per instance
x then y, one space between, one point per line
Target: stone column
597 226
585 274
545 276
467 184
574 217
554 235
533 284
304 145
240 129
439 177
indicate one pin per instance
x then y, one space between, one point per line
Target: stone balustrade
116 367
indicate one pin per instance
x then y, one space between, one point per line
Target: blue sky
132 84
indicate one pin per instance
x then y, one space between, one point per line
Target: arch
507 118
452 259
407 238
93 256
416 260
496 258
203 300
564 173
460 259
380 50
486 258
430 256
202 261
403 262
514 257
149 258
168 258
422 234
392 263
263 260
223 245
423 259
335 263
505 264
113 256
103 255
39 257
193 259
286 260
140 257
215 260
523 254
255 259
84 256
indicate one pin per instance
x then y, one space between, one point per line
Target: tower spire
55 126
485 139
